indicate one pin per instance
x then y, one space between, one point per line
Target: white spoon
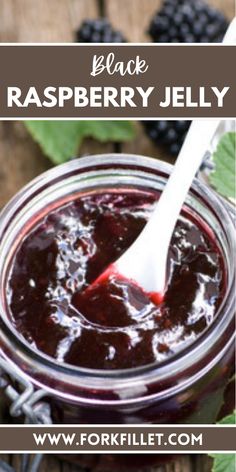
144 263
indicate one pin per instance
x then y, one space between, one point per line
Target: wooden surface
21 159
186 463
54 21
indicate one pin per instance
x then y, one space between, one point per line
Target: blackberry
182 21
169 134
98 31
187 21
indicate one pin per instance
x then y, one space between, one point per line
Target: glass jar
187 388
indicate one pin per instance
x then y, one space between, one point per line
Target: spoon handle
157 233
145 261
188 162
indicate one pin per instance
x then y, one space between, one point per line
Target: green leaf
104 131
60 140
224 462
230 419
223 175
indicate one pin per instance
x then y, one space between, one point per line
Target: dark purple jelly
113 325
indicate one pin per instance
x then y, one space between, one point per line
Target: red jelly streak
55 305
111 272
156 298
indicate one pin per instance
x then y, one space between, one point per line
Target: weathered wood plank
20 159
132 17
49 22
57 20
202 463
78 11
43 21
16 460
226 6
8 26
51 463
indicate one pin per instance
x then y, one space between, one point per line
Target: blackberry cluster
187 21
182 21
169 134
98 31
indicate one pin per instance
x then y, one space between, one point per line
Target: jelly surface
113 325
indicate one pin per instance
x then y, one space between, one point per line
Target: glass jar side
140 389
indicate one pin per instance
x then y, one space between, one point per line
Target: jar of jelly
108 355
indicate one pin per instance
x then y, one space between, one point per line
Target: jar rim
122 376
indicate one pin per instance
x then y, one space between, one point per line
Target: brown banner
136 81
117 439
